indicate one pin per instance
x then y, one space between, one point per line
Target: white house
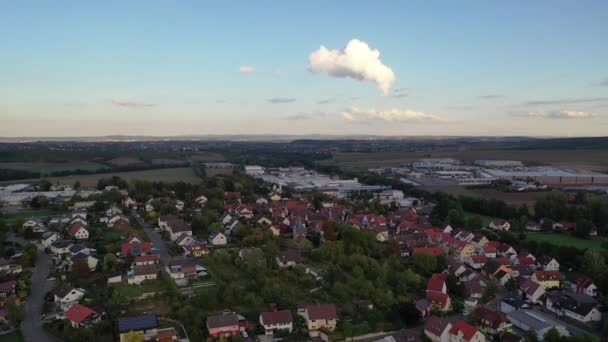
217 239
500 224
35 224
140 273
48 238
576 306
65 295
201 200
547 263
437 329
276 321
78 231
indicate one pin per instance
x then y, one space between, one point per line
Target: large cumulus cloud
357 60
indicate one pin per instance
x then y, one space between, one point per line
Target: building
226 324
217 239
35 224
461 331
500 225
320 316
65 295
437 329
276 320
576 306
547 279
531 291
498 163
527 320
585 286
140 273
81 316
492 322
147 325
78 231
547 263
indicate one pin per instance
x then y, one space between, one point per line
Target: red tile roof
436 325
437 298
321 311
435 285
78 313
432 251
147 258
467 330
277 317
74 229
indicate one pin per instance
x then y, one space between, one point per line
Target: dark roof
223 320
575 302
126 324
277 317
436 325
62 290
321 311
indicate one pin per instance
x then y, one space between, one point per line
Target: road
31 327
155 238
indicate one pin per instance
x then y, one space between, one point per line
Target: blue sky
81 68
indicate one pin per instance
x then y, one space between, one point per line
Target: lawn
567 240
12 337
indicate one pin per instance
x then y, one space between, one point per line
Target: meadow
567 240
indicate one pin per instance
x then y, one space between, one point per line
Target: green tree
552 335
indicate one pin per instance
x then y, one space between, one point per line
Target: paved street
155 238
31 326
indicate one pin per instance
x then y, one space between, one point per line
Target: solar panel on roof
126 324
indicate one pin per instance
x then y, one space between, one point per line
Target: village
332 260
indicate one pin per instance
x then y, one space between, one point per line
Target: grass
9 217
567 240
46 168
12 337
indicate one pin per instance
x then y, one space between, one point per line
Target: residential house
81 316
492 322
512 303
217 239
489 251
436 284
227 324
65 295
547 263
201 200
140 273
35 224
439 300
87 259
547 279
320 316
48 238
437 329
479 241
289 258
432 251
474 288
462 331
500 225
8 289
195 249
576 306
464 235
463 250
78 231
135 246
60 247
531 290
130 203
143 260
177 227
147 325
477 261
585 285
184 269
533 226
274 321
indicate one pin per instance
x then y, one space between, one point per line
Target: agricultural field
567 240
593 160
125 161
207 156
184 174
46 168
516 198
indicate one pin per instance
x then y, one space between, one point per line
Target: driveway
31 327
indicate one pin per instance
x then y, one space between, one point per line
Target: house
147 325
576 306
48 238
201 200
320 316
135 246
477 261
140 273
479 241
184 269
439 300
463 250
89 260
436 284
547 279
437 329
585 286
143 260
130 203
35 224
564 225
183 239
492 322
527 320
500 224
115 278
289 258
78 231
533 226
8 289
61 247
217 239
531 291
547 263
464 235
461 331
65 295
505 250
179 205
149 207
489 251
195 249
456 267
113 210
81 316
276 320
227 324
512 303
176 227
474 288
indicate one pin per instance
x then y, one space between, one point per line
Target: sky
406 68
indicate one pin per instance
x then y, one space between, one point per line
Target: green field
47 168
566 240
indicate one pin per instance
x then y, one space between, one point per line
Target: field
594 160
125 161
184 174
207 156
46 168
516 198
566 240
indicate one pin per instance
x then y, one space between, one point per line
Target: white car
244 334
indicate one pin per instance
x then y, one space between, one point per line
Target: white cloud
557 114
246 69
356 60
390 115
131 103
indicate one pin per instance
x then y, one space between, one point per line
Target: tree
583 228
424 263
133 336
489 292
408 313
530 336
15 312
109 262
511 285
552 335
456 218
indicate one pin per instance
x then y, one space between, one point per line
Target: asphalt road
155 238
31 327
